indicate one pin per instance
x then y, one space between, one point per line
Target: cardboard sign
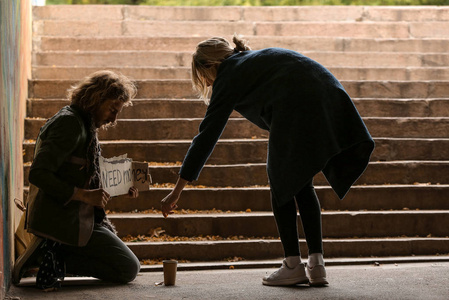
141 176
120 173
116 175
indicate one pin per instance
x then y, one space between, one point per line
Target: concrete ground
385 281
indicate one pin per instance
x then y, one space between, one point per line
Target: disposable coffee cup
170 267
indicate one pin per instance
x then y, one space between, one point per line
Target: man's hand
133 193
168 204
97 197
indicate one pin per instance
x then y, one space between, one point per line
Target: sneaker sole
291 281
318 282
16 273
320 276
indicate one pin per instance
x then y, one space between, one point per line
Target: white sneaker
287 276
317 275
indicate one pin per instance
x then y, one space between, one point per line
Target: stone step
359 198
159 129
195 108
228 263
185 43
236 128
141 73
342 73
178 89
239 151
254 174
116 58
141 108
351 224
47 89
241 175
243 13
113 58
255 150
272 249
354 29
380 197
129 27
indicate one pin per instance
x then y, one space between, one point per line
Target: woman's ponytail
240 44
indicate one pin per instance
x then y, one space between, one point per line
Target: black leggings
286 220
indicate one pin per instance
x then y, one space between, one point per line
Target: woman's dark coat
59 166
313 124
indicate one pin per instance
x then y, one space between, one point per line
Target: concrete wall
15 69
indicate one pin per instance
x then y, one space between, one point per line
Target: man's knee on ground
128 272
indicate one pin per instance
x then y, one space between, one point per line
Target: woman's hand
97 197
168 204
133 193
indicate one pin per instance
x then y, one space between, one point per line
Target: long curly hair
101 86
207 58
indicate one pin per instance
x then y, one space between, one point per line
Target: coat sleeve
210 130
61 139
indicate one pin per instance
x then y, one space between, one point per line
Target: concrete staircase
393 61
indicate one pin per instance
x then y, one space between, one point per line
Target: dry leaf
155 232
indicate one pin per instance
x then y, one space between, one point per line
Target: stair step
119 58
141 108
352 224
272 249
355 29
377 197
276 263
160 129
239 13
141 73
342 73
47 89
238 151
383 197
243 175
78 12
183 43
195 108
131 27
183 59
157 129
397 172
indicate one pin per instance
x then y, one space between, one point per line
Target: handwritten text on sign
116 175
141 176
120 173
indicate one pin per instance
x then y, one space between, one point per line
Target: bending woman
313 125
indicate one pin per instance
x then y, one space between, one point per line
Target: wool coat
59 167
312 122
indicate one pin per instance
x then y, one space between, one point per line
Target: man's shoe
317 275
27 259
287 276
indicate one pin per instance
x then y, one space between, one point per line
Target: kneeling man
65 206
